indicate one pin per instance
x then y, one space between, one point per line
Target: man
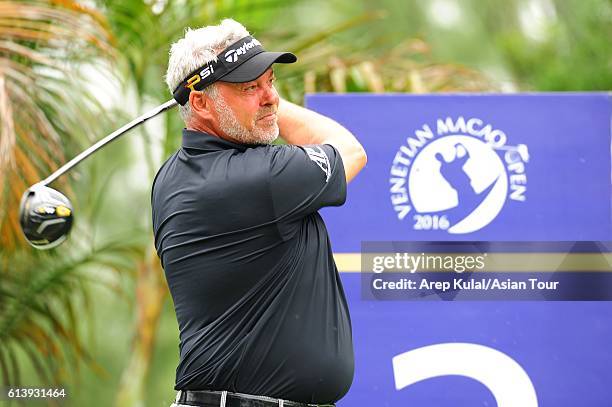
262 315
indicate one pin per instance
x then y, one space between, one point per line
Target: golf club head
45 216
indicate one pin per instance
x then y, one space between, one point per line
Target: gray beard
230 125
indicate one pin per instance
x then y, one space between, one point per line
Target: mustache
265 111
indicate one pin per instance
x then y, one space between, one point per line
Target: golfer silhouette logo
457 182
455 175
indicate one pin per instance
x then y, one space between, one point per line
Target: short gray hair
197 48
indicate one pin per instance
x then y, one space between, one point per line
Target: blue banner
463 167
482 168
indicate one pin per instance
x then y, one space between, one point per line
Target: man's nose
269 96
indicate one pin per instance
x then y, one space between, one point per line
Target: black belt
205 398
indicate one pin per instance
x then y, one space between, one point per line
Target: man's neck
199 126
205 128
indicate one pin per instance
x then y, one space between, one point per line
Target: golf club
45 214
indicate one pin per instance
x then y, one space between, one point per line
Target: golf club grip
101 143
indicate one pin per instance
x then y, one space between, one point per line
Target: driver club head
45 216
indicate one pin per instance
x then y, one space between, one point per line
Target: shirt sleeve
303 179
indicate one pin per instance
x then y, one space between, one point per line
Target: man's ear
201 105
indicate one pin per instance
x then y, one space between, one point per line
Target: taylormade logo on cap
232 54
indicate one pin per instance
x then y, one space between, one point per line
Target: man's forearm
301 126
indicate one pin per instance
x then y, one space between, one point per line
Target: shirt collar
207 142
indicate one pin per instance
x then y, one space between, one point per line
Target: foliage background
94 315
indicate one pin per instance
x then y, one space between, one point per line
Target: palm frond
39 296
41 104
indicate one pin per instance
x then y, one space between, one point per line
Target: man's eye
251 87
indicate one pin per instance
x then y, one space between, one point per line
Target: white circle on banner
431 192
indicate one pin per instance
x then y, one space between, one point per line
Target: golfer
262 315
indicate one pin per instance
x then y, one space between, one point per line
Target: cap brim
257 65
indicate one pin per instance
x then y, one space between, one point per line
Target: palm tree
45 116
41 104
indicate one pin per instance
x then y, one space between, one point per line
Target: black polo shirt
259 302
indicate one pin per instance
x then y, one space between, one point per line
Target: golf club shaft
101 143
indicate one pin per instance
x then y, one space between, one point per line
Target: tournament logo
457 179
